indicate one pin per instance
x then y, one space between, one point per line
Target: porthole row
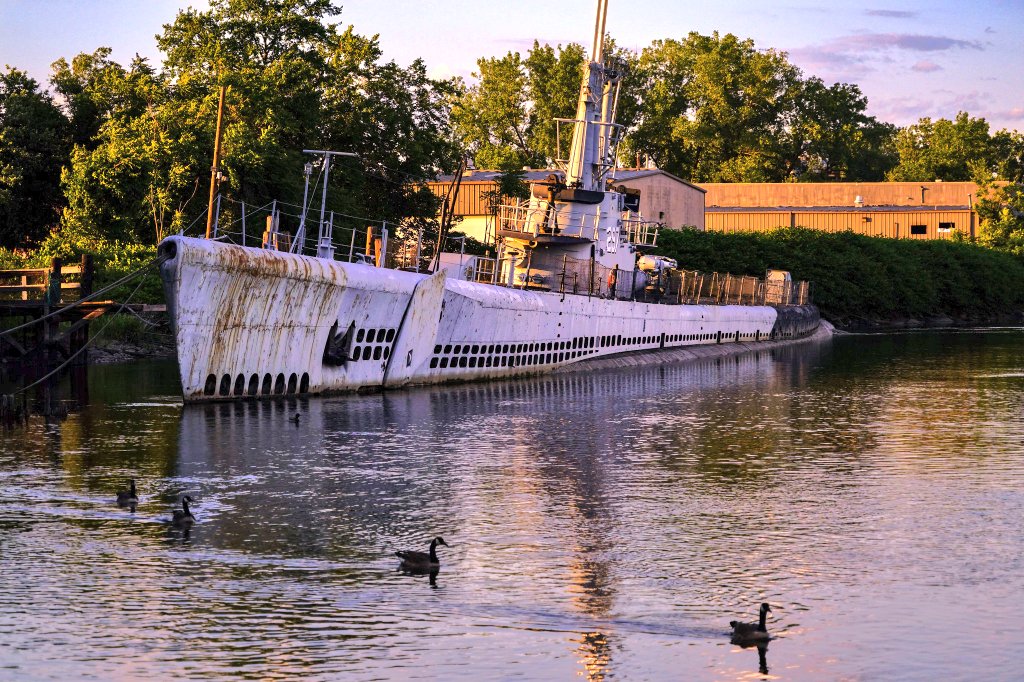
269 385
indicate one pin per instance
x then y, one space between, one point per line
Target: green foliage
943 150
1001 213
121 328
836 140
507 119
856 277
33 147
112 260
296 80
553 86
1007 155
715 108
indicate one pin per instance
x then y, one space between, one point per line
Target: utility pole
215 169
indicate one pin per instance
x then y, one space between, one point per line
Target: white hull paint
250 322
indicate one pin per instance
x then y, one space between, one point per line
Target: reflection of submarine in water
376 457
365 415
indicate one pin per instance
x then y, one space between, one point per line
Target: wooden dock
50 297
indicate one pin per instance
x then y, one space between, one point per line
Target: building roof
835 209
790 195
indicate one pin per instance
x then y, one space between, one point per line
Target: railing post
216 218
419 244
590 287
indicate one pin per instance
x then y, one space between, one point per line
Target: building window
946 227
918 229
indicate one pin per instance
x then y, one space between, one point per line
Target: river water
605 525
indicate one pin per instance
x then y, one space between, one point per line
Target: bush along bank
862 281
111 259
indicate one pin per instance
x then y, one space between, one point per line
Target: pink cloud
1014 114
926 66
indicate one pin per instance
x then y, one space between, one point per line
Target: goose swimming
128 497
749 632
422 561
183 518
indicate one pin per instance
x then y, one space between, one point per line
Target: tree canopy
296 80
122 152
33 146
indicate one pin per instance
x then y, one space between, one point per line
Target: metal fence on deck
586 277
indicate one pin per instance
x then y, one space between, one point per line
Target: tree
836 140
296 81
33 147
93 88
553 81
491 116
1007 160
133 180
507 119
943 150
716 109
1001 213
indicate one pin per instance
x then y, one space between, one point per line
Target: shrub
861 277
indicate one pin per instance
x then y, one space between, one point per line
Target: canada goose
748 632
422 561
128 497
295 419
183 517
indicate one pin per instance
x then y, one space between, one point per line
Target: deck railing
669 286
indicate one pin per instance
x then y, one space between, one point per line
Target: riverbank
859 281
933 322
129 337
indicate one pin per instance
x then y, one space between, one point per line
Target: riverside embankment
863 282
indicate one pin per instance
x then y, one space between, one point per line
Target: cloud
900 41
989 29
940 104
855 56
925 66
891 13
1014 114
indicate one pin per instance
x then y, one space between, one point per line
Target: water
603 525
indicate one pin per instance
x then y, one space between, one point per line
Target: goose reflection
762 652
431 574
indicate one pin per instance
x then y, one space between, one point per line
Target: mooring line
78 352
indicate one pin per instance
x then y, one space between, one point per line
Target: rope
159 260
78 352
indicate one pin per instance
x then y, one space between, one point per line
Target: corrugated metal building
916 210
663 197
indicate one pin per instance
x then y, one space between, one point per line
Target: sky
911 59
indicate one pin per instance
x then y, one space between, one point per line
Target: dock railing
47 284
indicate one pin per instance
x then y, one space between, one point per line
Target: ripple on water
608 525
